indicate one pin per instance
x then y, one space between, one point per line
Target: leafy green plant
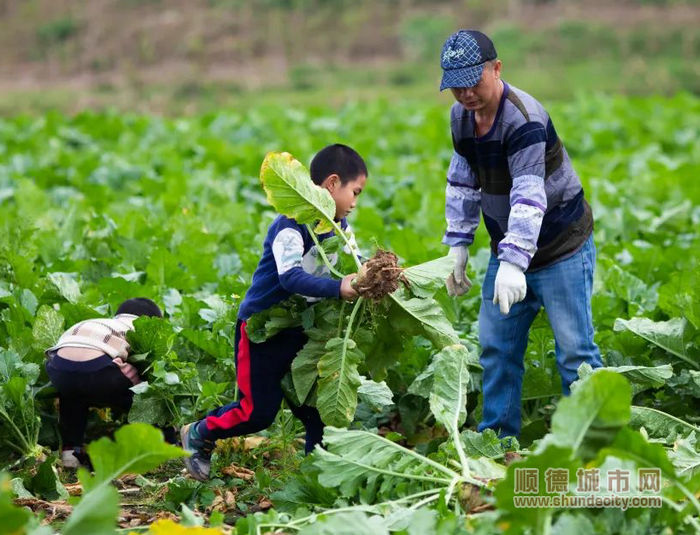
101 206
19 421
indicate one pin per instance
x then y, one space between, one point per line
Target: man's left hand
510 287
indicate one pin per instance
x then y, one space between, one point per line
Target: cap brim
464 77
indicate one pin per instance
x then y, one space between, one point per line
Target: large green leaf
47 328
96 514
680 296
271 321
216 346
136 449
426 278
66 285
591 416
427 317
640 295
518 519
357 460
659 424
375 394
148 410
305 367
338 380
448 398
151 335
640 377
291 192
668 335
14 519
46 483
630 444
573 524
685 456
484 444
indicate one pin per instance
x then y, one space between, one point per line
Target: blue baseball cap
463 57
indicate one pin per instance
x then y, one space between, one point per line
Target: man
509 163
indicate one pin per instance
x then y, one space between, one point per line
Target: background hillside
181 56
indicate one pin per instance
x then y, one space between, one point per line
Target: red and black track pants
259 372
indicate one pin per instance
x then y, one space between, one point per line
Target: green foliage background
101 206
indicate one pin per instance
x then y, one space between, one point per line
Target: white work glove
510 287
457 282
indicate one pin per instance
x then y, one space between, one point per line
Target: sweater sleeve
528 200
288 250
462 202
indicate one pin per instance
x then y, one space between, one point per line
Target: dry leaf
240 472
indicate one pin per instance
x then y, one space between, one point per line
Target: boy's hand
347 291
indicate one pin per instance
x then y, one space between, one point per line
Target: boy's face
344 195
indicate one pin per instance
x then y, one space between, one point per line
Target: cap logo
453 53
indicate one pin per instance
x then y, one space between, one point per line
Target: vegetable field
101 207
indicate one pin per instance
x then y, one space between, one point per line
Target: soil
380 276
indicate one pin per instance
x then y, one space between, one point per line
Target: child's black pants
259 372
80 390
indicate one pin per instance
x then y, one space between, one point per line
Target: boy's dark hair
337 159
139 306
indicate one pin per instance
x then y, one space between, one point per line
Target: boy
89 368
288 266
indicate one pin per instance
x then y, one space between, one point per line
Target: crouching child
88 366
287 267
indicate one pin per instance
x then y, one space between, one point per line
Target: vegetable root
380 276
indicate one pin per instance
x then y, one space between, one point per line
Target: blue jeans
564 289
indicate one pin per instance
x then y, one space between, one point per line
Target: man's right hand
347 291
457 282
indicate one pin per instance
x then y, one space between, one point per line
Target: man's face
485 94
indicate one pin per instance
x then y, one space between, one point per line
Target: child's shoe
68 460
199 463
75 458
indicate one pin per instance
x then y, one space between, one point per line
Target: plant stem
348 329
340 319
320 250
450 489
340 233
460 451
20 436
425 501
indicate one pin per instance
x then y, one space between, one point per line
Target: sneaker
199 462
69 460
75 458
